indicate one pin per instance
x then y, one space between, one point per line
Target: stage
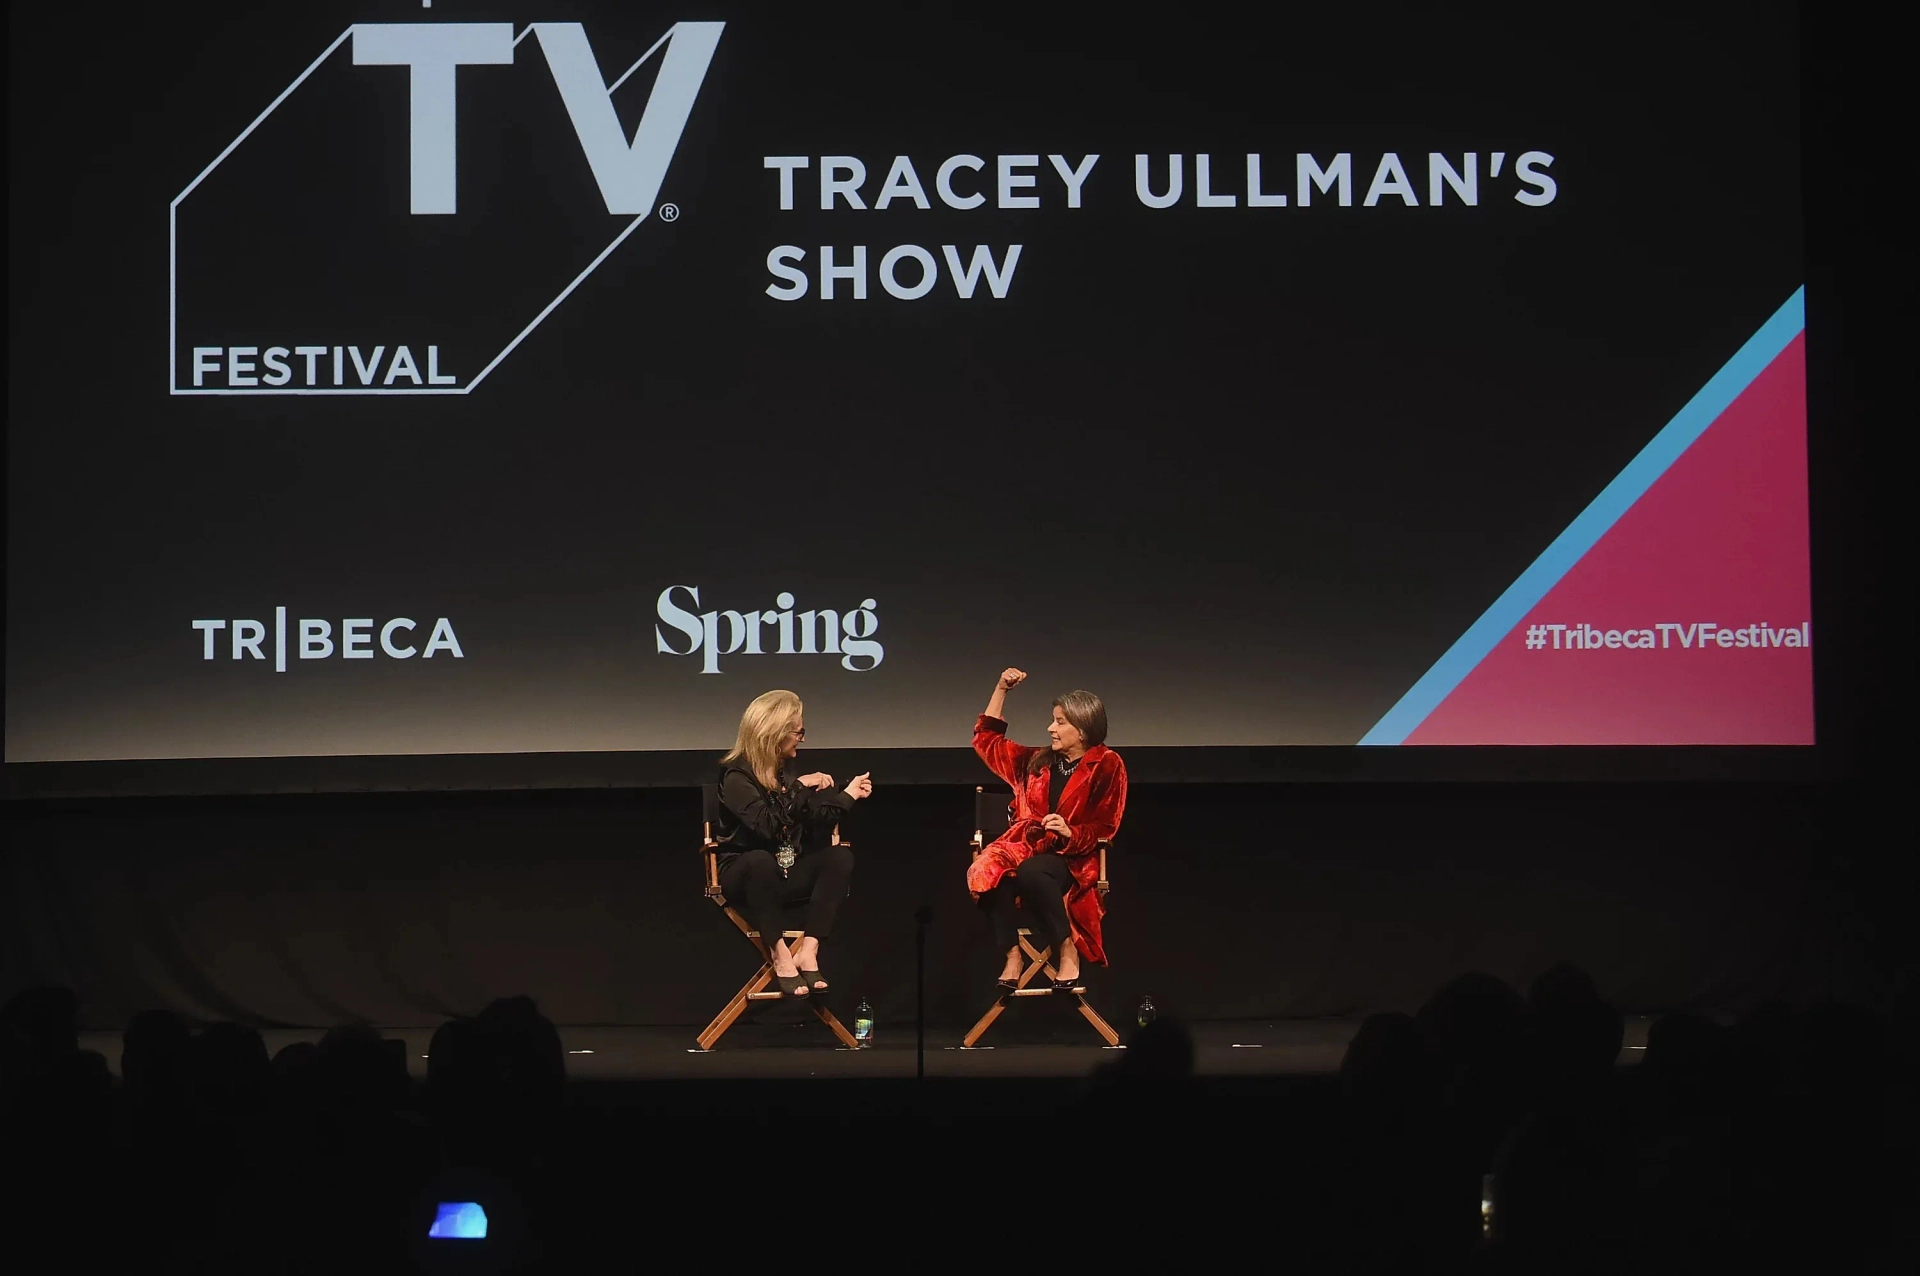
781 1046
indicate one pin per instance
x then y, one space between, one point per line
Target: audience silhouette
1488 1132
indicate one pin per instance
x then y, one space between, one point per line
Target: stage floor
788 1047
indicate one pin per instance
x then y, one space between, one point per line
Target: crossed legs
1040 884
819 879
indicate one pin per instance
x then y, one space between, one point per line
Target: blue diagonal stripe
1594 522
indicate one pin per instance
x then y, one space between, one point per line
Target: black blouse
754 817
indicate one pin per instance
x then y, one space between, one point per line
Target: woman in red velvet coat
1066 799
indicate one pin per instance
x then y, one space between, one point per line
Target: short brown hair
1087 713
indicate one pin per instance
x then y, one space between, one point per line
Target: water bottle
863 1023
1146 1012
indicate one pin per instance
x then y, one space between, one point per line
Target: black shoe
792 985
1008 983
817 975
1076 984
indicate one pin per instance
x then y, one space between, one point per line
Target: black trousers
1041 883
818 879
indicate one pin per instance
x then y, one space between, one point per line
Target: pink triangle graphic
1716 546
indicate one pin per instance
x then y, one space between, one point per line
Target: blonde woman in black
775 836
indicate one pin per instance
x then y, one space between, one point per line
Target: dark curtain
1228 902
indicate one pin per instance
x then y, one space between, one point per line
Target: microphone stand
922 917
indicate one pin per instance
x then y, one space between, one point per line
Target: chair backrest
709 859
992 814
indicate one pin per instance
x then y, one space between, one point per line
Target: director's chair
755 989
991 817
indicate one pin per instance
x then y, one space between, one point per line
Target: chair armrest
710 865
1102 885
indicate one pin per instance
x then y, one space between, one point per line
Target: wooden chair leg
1100 1025
752 988
1038 959
986 1021
827 1017
735 1008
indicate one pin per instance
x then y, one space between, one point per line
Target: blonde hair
763 730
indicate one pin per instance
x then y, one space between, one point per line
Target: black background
1708 894
1246 472
1228 902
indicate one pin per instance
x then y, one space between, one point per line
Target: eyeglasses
798 733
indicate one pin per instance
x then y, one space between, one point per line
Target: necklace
1067 768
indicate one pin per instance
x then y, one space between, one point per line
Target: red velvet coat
1092 802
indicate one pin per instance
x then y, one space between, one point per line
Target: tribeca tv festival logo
308 638
779 630
300 263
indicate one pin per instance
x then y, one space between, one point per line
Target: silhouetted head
495 1082
1471 1017
513 1030
456 1075
231 1063
360 1071
1386 1064
1563 983
1684 1056
1475 1031
449 1050
156 1054
1576 1033
296 1071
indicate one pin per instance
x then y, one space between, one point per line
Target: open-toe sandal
818 975
793 985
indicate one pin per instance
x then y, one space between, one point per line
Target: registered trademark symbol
669 212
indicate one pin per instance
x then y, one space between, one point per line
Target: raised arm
997 702
1003 757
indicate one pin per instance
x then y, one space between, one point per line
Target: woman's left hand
1054 824
818 780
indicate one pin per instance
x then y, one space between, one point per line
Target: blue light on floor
460 1220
